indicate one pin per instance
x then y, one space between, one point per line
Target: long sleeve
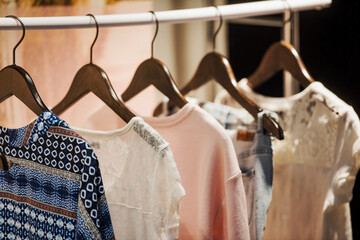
231 220
238 227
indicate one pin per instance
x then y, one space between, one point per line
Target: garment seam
153 121
34 203
234 176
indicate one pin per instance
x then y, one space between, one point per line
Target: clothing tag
10 163
245 135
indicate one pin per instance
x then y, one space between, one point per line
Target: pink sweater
214 206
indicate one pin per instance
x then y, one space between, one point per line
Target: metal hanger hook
156 32
220 25
22 37
96 36
291 13
288 8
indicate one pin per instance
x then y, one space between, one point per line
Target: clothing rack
231 11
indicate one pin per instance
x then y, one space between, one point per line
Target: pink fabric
214 206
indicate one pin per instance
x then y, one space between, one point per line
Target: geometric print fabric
20 221
54 189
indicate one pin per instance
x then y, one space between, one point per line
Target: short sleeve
168 192
94 220
238 227
348 158
336 219
356 152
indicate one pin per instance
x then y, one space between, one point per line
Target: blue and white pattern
54 189
20 221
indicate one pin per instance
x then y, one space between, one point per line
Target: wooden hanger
15 81
154 72
91 78
217 67
280 56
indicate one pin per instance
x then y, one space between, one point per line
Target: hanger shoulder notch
280 56
292 62
164 81
14 80
204 73
104 90
91 78
213 66
140 81
216 66
153 72
79 87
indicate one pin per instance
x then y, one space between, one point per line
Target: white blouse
141 180
314 166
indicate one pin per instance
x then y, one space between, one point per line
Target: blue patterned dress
53 187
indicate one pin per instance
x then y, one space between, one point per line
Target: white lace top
215 205
314 166
141 180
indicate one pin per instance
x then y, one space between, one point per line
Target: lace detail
316 159
141 181
310 133
147 133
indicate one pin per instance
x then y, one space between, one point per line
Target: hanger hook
156 32
22 37
289 18
96 36
220 25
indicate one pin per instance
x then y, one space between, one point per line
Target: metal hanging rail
231 11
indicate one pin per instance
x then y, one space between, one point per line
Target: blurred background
327 40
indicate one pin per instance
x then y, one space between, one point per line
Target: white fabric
142 183
314 166
214 206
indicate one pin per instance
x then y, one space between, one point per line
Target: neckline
173 119
23 136
119 131
279 102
